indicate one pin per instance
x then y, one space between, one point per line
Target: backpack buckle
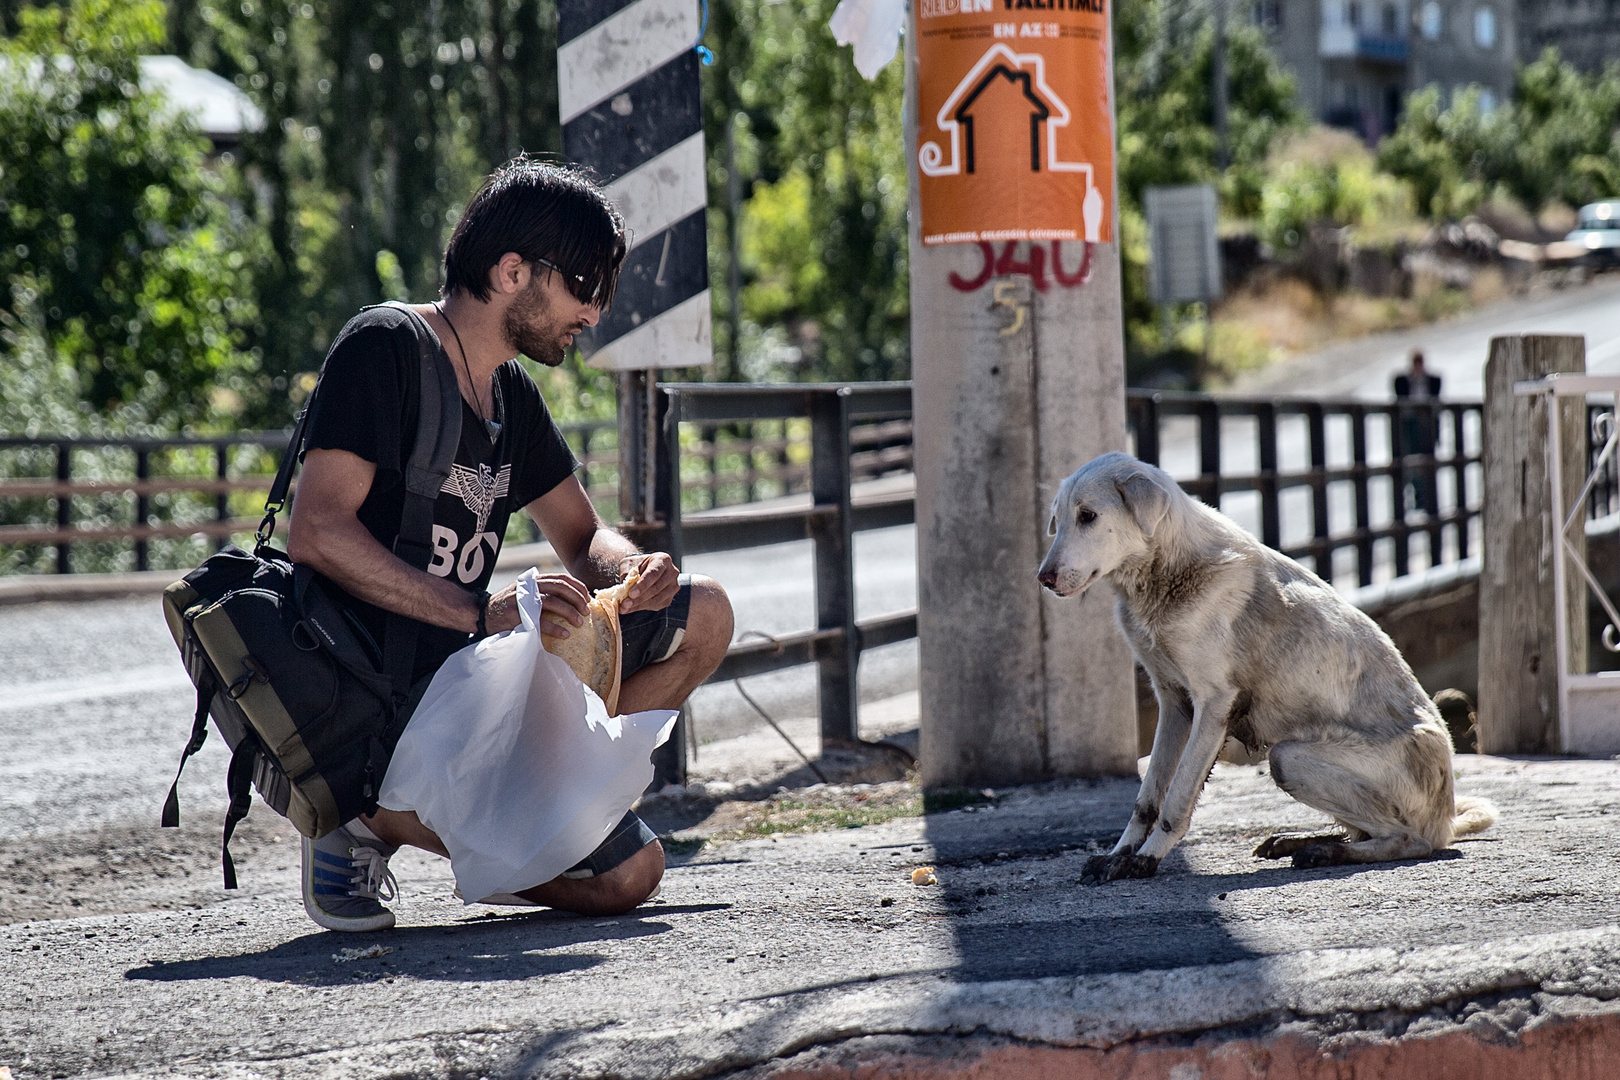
253 672
267 527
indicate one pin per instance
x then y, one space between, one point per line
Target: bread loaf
594 649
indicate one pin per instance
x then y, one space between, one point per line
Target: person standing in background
1417 431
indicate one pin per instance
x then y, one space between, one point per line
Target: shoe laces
372 878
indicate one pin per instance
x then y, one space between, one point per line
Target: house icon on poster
1047 113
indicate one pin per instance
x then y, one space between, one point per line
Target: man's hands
561 595
659 582
565 597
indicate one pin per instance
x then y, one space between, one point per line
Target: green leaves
118 239
1555 141
1327 177
1164 93
820 157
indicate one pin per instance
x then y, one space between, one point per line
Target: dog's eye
1086 516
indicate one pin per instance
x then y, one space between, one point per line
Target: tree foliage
1164 92
382 116
126 255
820 155
381 120
1327 177
1558 139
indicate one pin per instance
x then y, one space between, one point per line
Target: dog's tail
1473 816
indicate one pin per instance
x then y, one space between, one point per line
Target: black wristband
483 610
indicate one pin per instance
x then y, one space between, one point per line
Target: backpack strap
206 688
279 487
438 437
239 786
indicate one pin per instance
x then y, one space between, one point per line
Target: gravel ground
761 945
788 920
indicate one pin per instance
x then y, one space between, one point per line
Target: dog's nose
1048 577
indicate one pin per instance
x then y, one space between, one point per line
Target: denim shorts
651 637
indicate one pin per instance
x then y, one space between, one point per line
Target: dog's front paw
1101 868
1143 866
1316 855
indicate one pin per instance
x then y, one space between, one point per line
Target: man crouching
533 261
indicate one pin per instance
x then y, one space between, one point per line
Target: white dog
1242 641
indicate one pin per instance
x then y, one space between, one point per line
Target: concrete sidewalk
813 954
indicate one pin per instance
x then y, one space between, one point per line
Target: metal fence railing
854 433
1356 488
122 496
1604 498
1335 483
140 504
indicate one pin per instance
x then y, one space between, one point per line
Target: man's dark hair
540 211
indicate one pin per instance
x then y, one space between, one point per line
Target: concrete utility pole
1518 635
1019 378
629 102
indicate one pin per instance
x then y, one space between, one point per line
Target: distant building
1355 61
1585 32
219 109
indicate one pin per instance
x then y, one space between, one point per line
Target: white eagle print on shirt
477 489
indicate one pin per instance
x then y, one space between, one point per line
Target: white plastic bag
873 27
515 764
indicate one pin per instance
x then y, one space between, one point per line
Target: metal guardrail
140 490
62 488
1452 430
829 519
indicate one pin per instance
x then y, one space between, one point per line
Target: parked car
1597 229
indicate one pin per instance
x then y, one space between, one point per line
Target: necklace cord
478 402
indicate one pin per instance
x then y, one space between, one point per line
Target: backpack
297 687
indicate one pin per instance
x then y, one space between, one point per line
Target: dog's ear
1146 499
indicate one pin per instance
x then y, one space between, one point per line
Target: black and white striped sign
627 80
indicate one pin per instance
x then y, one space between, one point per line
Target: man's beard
531 329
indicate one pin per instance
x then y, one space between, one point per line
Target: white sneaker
344 877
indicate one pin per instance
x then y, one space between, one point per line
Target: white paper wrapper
515 764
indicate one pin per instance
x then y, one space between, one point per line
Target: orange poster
1015 131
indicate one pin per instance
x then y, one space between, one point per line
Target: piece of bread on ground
594 649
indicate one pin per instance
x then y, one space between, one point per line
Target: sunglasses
575 281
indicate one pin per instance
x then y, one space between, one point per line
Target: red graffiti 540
1035 266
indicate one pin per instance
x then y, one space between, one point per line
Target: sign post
628 98
1185 255
1019 378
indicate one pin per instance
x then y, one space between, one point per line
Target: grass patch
795 816
823 809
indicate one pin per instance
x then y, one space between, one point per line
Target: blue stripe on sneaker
326 875
328 890
334 860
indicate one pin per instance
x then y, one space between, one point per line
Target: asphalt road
760 948
1456 349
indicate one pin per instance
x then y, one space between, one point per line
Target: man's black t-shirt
367 403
